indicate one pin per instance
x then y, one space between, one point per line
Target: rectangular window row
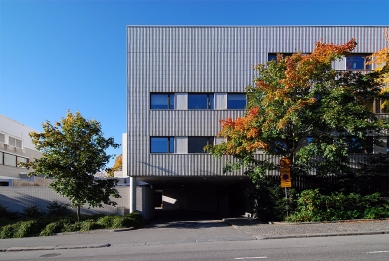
354 62
11 141
11 160
198 101
191 144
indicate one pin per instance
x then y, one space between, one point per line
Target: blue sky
71 55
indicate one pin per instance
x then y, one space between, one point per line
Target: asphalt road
345 248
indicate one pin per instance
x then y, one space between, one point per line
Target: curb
323 235
94 231
16 249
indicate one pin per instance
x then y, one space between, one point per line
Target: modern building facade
15 147
182 80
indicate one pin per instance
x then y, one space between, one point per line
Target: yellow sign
286 180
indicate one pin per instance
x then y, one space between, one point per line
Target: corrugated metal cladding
212 59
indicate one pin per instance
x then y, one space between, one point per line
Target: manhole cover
50 255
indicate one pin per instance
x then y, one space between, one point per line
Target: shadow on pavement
181 218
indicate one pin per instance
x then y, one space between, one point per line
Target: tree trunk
78 213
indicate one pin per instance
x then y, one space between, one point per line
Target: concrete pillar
132 194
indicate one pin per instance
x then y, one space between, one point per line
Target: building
181 80
15 146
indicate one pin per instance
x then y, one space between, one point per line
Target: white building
15 146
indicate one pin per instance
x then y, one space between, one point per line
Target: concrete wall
18 198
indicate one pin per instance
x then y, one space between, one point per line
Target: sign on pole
286 180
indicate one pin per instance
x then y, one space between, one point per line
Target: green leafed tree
73 150
299 107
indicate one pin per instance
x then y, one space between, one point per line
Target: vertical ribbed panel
206 59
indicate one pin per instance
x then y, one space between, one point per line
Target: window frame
210 140
210 103
233 93
364 56
170 143
170 102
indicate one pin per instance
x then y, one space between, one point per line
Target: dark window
357 62
196 144
273 56
162 101
356 145
200 101
236 101
162 144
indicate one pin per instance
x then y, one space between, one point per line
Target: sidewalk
309 229
229 229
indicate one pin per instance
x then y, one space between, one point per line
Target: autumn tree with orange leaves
116 166
299 107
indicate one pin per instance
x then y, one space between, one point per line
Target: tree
300 108
116 166
381 60
73 150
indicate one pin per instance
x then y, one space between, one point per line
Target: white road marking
375 252
252 257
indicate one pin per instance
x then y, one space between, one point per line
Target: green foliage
137 217
132 220
301 96
48 225
58 209
33 212
21 229
8 231
73 150
29 228
269 201
314 206
52 228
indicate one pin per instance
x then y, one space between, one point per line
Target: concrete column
132 194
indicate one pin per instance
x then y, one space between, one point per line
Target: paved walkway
306 229
200 230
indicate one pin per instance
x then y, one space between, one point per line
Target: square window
272 57
2 137
162 144
357 62
197 144
200 101
162 101
236 101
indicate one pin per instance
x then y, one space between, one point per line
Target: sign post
286 179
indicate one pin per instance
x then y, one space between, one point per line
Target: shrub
9 230
105 221
58 209
33 212
52 228
268 200
313 206
90 224
28 228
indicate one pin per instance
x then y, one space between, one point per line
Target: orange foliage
242 133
